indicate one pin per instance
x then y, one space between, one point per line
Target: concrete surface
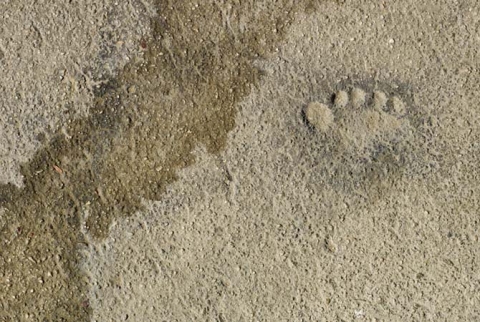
373 217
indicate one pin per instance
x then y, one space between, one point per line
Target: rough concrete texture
142 126
53 54
374 217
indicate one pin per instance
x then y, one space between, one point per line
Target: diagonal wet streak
197 65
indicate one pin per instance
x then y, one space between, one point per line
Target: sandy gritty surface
314 162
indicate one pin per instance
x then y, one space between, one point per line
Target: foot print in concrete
367 139
358 126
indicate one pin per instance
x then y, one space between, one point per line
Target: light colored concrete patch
263 232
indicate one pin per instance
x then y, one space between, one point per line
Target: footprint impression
369 137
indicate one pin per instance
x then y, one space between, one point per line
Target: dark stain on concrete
141 130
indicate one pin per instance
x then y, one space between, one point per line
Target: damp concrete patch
143 122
